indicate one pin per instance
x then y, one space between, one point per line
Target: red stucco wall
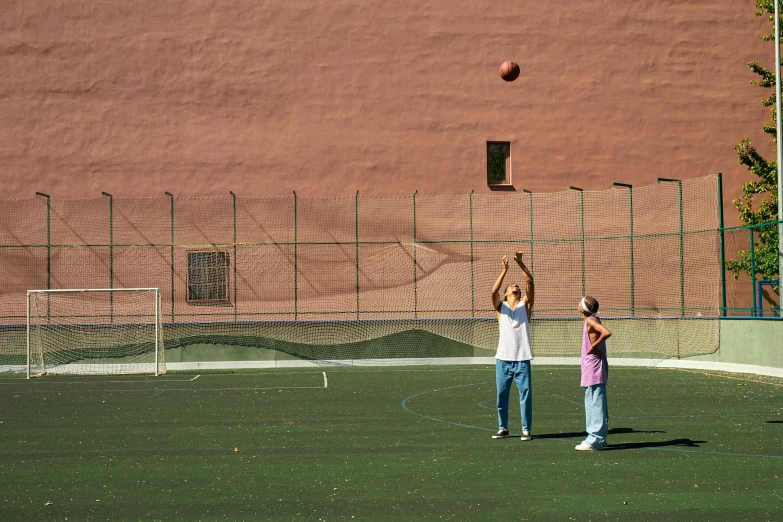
329 97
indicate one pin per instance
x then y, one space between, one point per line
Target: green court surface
387 444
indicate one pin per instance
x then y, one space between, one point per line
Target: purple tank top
595 368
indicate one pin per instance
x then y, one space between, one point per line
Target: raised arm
496 299
598 333
530 288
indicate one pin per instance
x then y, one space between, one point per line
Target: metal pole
28 334
722 237
472 281
759 295
530 219
296 276
630 212
682 242
171 211
234 200
157 333
111 254
582 228
779 142
48 250
753 271
415 295
682 252
356 216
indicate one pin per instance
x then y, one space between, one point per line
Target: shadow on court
775 422
612 431
682 443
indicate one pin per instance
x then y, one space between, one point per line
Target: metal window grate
208 277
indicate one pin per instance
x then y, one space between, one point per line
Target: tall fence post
356 217
48 250
530 219
296 270
682 252
415 282
630 212
722 247
582 231
234 201
171 212
753 312
472 280
682 242
111 254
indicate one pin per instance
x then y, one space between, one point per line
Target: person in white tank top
512 361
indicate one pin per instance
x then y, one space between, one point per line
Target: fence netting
752 266
381 279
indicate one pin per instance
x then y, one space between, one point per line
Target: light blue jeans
597 415
519 372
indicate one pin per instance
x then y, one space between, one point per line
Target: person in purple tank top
595 373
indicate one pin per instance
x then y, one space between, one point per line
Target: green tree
766 187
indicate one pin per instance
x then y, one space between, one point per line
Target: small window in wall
208 277
498 163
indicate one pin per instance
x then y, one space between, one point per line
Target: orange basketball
509 71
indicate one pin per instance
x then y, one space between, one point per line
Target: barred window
208 277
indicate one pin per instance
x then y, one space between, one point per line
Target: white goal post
94 331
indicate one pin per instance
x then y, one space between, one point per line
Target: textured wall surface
328 97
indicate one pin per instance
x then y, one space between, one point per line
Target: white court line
178 389
45 380
325 384
709 373
221 372
55 380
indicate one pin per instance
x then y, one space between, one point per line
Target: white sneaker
584 447
526 435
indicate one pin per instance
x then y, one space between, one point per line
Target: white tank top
514 341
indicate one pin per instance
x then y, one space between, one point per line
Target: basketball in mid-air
509 71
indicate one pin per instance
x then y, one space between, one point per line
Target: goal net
94 331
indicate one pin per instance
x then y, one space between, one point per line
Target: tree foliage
759 202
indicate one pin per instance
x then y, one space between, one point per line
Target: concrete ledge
687 364
538 361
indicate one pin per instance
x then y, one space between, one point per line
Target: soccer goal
94 332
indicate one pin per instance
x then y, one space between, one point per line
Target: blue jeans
597 415
519 372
